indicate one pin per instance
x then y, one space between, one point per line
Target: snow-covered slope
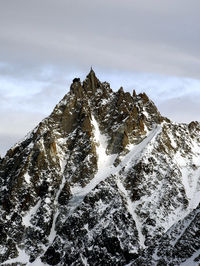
178 246
104 180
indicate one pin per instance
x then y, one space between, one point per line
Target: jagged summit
104 180
89 86
91 73
136 114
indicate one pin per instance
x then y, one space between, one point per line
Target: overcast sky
149 45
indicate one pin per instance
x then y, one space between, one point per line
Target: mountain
104 180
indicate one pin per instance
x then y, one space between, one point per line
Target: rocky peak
134 93
124 118
194 126
76 88
88 87
92 80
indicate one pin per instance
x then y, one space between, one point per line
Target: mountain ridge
98 181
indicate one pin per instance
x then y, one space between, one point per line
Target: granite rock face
104 180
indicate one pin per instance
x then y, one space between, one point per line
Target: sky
148 45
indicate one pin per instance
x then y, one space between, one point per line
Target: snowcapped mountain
104 180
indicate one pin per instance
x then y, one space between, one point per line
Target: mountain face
104 180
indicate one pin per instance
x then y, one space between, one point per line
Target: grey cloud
146 36
182 109
7 141
15 125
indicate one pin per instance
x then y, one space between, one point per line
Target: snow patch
137 150
190 261
191 182
173 143
27 218
190 170
131 209
21 258
27 178
52 234
102 143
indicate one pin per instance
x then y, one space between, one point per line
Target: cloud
15 125
132 35
182 109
